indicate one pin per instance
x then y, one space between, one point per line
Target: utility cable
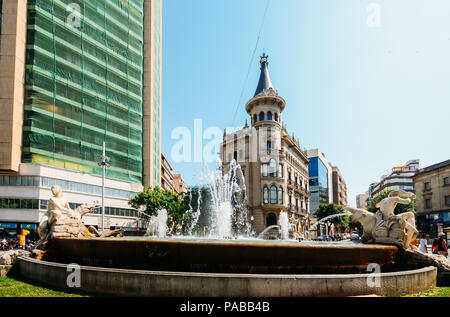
251 61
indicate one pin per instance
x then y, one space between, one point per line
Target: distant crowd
13 243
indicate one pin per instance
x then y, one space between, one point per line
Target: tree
326 210
158 199
398 210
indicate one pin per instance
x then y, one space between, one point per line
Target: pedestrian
440 245
423 244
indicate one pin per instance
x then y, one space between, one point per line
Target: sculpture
385 226
61 221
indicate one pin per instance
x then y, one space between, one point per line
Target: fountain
284 226
228 263
161 221
323 220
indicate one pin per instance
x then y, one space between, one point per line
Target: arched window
276 117
261 116
273 195
269 115
273 168
280 196
271 219
255 119
266 196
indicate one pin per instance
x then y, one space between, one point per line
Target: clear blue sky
369 98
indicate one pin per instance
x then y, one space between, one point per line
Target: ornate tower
266 106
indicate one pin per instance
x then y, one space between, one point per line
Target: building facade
274 166
362 200
401 178
339 188
169 180
432 186
179 184
166 174
75 74
320 179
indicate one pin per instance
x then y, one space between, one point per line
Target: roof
264 79
433 167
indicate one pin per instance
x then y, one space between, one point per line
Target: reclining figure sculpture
61 221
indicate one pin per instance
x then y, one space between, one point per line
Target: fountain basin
218 256
179 284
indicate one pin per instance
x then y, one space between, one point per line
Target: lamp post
104 163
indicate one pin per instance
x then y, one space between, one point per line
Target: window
446 181
276 117
255 118
266 196
273 168
447 200
273 195
280 196
43 204
264 170
261 116
428 203
280 171
269 116
427 185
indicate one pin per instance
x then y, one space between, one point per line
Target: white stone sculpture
385 226
61 221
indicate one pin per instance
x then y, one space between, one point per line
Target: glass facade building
84 85
318 183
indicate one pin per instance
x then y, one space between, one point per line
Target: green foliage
326 210
398 210
159 199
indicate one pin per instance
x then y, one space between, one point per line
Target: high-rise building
401 178
75 74
320 179
339 187
275 167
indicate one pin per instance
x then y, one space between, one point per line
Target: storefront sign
28 226
8 225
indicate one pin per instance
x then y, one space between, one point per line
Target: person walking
440 245
423 243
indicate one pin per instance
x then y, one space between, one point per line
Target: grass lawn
434 292
12 286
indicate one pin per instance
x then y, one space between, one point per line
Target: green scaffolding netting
84 85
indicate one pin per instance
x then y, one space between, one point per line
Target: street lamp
104 163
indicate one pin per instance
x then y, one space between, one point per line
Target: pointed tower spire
264 79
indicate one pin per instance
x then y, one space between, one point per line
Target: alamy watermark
206 144
374 278
74 277
374 15
74 18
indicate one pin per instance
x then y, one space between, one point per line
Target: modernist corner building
274 166
75 74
